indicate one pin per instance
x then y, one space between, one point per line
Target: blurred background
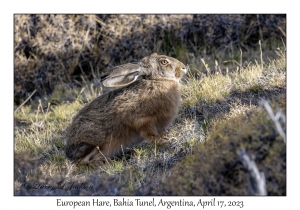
53 49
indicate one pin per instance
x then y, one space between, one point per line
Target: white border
165 6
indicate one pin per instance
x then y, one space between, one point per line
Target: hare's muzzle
181 71
184 70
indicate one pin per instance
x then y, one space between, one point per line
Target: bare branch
257 179
26 100
275 119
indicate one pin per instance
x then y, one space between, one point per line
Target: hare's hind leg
95 156
88 157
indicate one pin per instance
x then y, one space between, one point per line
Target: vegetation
220 114
51 49
215 167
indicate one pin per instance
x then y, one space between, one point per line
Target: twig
257 179
261 57
241 60
26 100
234 62
275 119
259 28
206 66
103 156
280 29
283 44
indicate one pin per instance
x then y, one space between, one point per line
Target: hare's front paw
158 141
99 161
163 133
162 143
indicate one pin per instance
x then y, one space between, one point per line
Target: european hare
142 108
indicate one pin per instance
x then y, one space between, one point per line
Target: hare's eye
164 62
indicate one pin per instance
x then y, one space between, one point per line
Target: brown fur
125 117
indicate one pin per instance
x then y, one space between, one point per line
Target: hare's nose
184 69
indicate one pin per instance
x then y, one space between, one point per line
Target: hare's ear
121 80
154 55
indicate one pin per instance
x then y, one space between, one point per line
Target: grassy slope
207 104
215 167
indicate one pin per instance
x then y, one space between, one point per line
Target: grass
217 87
51 49
209 102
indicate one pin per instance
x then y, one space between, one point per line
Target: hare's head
151 67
